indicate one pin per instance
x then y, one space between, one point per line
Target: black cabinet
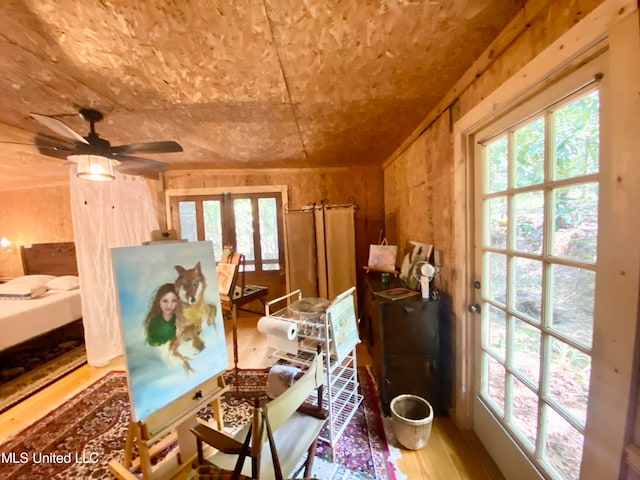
408 341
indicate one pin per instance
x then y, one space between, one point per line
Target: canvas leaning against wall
342 316
171 321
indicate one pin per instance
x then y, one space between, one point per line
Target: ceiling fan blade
47 141
140 171
129 163
58 127
8 142
144 167
53 147
51 151
149 147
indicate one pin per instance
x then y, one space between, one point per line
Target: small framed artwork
226 276
382 258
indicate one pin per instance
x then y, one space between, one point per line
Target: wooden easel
150 441
228 304
238 294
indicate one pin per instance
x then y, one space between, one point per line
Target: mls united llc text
42 458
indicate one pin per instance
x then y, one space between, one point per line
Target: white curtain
105 215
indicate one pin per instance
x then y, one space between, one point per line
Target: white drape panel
339 251
105 215
303 269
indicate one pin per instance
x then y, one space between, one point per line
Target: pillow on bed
21 291
31 280
65 282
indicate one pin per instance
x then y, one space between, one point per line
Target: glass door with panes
251 223
537 220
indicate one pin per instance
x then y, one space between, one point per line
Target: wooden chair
288 422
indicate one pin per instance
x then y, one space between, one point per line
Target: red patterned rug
78 439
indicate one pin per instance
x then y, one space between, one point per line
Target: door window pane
497 162
267 214
570 371
529 154
529 220
524 412
497 277
563 445
575 227
213 225
495 383
526 350
497 222
244 231
577 137
188 223
573 299
496 338
527 288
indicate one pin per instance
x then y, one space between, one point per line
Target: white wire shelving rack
341 397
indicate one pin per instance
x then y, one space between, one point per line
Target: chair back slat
285 404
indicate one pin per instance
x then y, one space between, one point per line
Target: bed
22 320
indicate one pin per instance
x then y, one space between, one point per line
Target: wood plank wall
29 216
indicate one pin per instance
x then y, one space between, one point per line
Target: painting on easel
171 321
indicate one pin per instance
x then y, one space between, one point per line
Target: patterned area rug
78 439
35 366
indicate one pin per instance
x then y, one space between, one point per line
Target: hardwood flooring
449 455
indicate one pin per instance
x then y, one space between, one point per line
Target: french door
537 222
250 223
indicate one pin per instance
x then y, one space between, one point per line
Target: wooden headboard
50 258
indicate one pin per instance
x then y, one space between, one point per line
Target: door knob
474 308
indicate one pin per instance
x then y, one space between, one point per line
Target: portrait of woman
160 322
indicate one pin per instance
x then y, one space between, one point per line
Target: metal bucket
412 419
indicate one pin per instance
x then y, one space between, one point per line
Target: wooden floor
449 454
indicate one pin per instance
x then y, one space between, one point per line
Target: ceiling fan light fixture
93 167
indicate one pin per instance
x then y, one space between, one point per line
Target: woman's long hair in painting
155 309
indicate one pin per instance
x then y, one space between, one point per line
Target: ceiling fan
91 148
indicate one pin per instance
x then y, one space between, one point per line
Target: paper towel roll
277 327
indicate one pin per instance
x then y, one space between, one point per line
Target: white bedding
21 320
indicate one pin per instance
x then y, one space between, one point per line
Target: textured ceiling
238 83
